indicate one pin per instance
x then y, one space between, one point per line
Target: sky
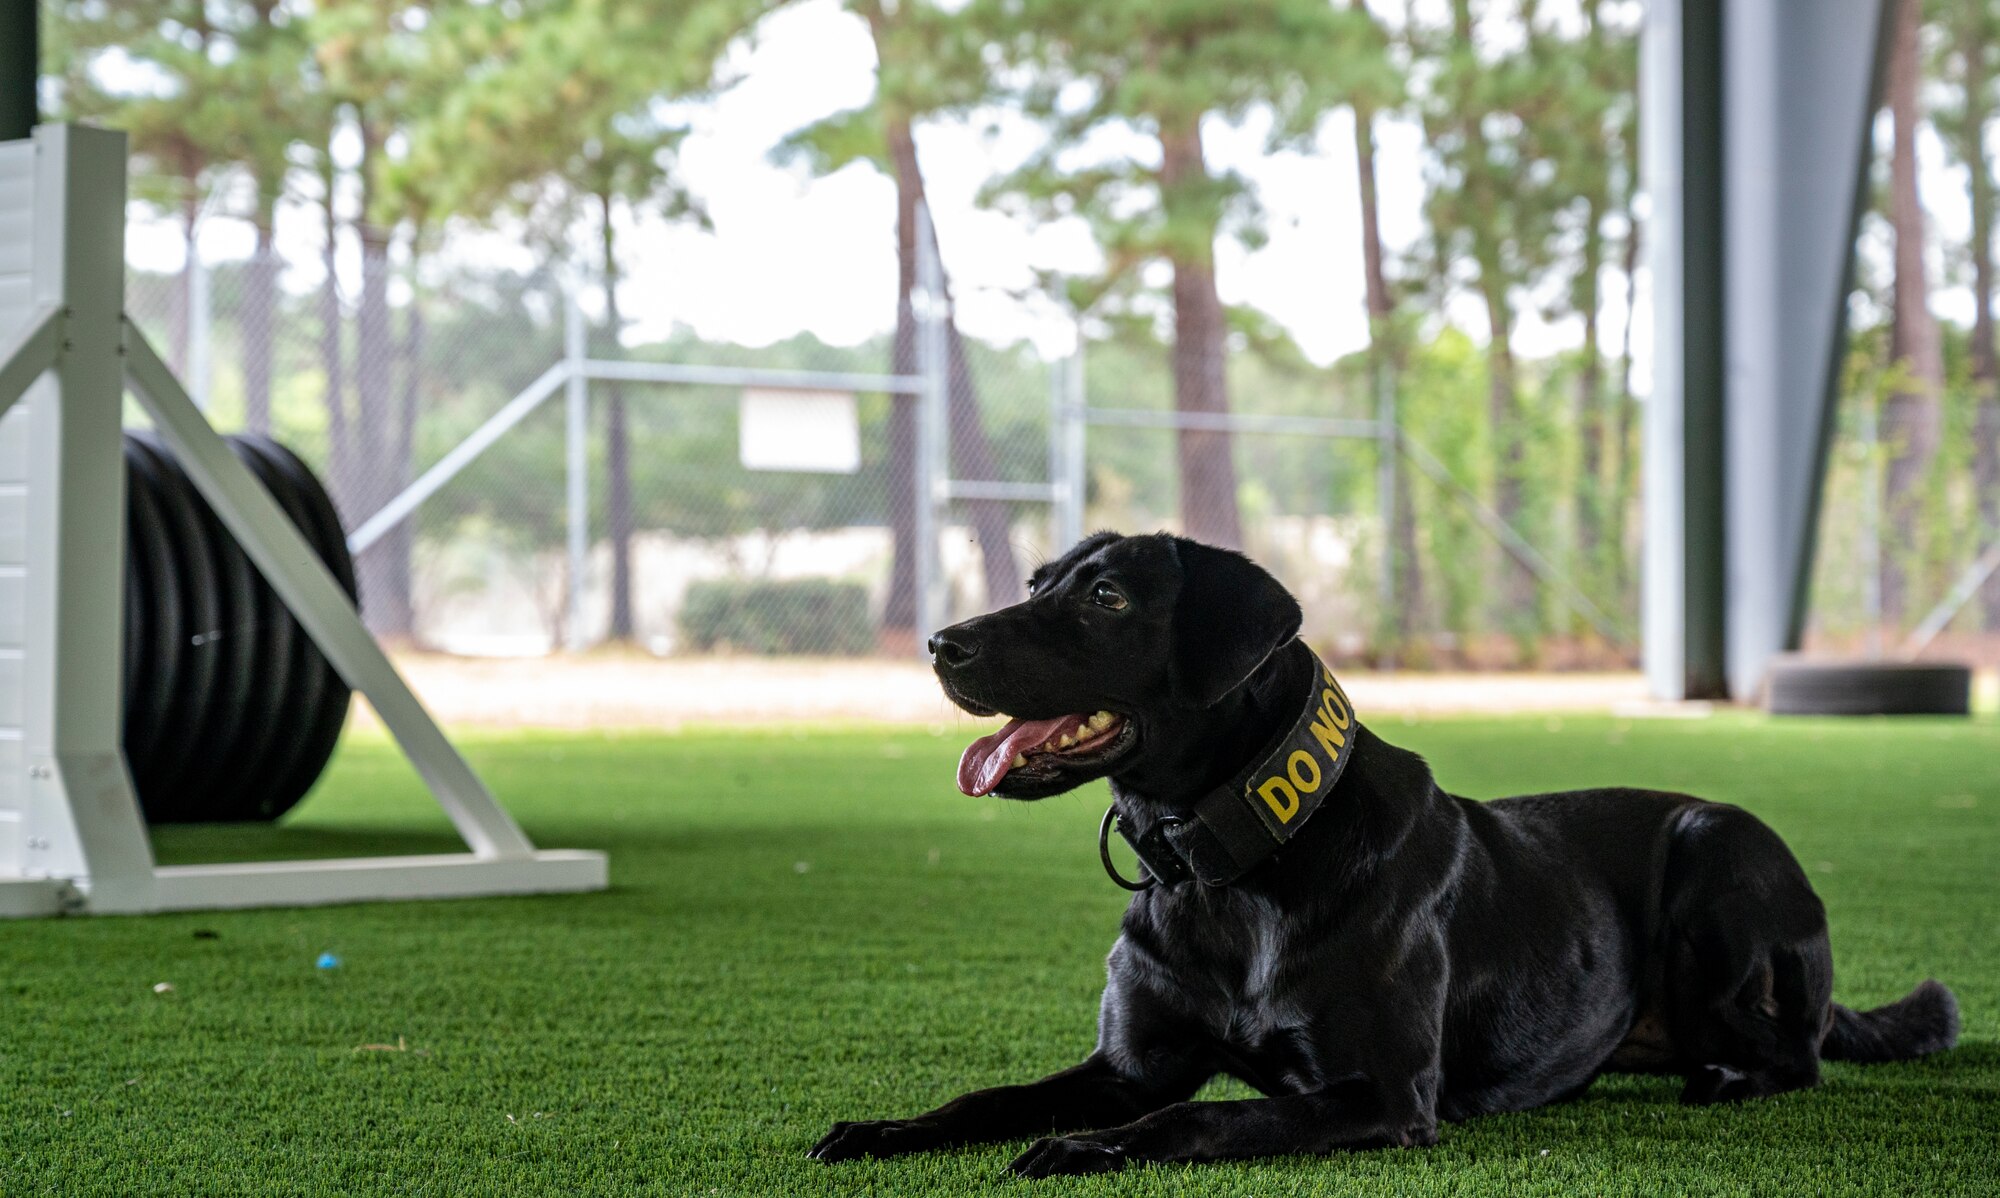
789 253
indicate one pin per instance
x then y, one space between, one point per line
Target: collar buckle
1147 880
1247 820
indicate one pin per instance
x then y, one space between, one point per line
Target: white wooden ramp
71 835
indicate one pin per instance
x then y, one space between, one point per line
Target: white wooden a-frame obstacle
71 835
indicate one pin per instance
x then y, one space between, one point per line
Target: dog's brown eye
1106 595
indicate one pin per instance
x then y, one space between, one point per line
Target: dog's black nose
953 649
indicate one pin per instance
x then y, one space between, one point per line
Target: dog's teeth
1101 721
1065 741
1020 759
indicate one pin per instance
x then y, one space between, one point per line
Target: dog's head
1120 642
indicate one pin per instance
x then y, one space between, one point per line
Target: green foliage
1088 68
774 617
555 115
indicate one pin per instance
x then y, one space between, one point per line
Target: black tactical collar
1240 824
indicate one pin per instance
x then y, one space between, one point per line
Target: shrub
771 616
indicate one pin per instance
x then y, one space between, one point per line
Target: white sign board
799 430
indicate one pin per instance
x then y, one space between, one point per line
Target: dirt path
617 691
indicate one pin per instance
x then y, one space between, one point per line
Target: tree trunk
1516 591
259 322
899 606
972 458
1985 367
1208 469
617 447
1911 418
1591 516
1517 586
332 352
971 450
1384 366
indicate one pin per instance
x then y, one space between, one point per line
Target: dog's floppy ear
1230 616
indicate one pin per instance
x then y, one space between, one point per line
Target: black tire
287 711
324 713
231 712
161 626
1802 687
163 778
212 782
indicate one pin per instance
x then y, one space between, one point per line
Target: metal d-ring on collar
1104 853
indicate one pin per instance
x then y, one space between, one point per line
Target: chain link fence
629 510
629 506
515 482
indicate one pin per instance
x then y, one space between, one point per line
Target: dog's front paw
1056 1157
879 1137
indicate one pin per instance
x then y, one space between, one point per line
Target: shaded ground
810 927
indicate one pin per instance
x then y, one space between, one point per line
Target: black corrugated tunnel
231 711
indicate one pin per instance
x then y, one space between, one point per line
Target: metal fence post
1059 490
201 328
932 360
577 469
1074 476
1385 479
1871 526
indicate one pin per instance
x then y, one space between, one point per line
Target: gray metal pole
1681 89
932 364
577 447
201 328
1871 526
1385 481
1077 447
20 68
1058 460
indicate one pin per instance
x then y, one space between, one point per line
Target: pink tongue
987 759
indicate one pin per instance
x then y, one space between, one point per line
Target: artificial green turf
806 928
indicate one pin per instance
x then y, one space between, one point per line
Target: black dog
1401 957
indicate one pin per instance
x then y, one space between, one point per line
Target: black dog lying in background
1329 926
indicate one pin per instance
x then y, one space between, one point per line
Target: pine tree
554 116
1912 418
927 64
1970 63
1087 68
1492 206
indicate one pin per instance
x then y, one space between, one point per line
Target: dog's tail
1922 1022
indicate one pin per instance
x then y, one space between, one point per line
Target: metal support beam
576 468
1963 589
1516 545
1756 161
462 455
1681 89
1801 80
1006 492
932 415
1234 422
745 376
